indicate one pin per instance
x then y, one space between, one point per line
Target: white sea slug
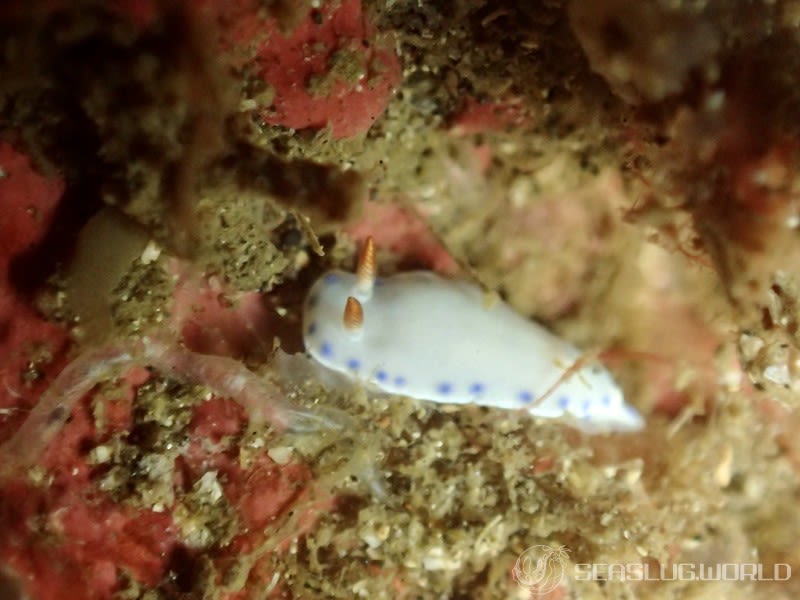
419 335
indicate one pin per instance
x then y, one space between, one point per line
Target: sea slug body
419 335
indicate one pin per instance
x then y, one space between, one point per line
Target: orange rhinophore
353 317
366 269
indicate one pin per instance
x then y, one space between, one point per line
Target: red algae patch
213 319
146 472
89 521
329 71
30 346
65 538
78 547
480 117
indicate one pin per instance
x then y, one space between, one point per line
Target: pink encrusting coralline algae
224 377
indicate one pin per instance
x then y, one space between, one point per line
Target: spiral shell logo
541 568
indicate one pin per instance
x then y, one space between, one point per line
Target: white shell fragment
431 338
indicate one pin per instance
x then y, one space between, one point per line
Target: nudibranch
419 335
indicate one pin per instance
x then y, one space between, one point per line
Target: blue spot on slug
331 278
477 388
354 364
631 413
326 350
563 402
606 401
399 381
444 388
525 396
382 376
